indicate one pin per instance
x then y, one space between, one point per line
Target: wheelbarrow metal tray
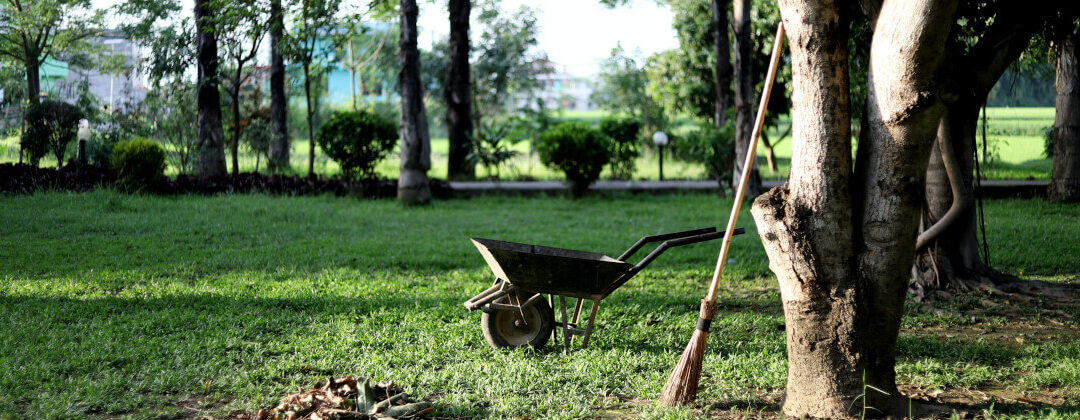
543 269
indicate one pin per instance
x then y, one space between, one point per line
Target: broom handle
751 153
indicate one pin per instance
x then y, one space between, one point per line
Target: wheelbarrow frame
506 295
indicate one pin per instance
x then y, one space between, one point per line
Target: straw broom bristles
682 386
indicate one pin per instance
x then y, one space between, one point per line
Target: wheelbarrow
515 310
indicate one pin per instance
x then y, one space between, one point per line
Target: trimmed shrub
577 149
50 126
140 162
624 144
357 141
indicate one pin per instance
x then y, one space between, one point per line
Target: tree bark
459 93
279 132
413 184
722 69
211 138
1065 181
903 114
744 96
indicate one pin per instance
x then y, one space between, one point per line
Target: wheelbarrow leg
577 311
592 317
565 324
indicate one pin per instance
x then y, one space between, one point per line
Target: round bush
577 149
139 161
357 141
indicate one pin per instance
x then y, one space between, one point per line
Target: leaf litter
343 399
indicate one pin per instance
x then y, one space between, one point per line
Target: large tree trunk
458 92
211 138
1065 181
805 225
948 247
279 132
722 69
413 181
744 96
903 114
841 246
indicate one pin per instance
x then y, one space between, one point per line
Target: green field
120 306
1014 144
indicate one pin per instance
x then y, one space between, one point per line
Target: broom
681 387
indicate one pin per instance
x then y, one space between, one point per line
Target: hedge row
26 179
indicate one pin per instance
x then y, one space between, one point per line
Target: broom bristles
682 386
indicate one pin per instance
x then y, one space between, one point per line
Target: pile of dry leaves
343 399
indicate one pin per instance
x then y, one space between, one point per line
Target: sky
578 34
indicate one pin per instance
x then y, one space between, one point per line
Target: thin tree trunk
211 138
279 132
310 120
806 226
744 96
1065 181
413 184
235 145
33 79
458 92
770 154
722 70
352 74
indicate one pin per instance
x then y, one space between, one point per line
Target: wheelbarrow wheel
509 329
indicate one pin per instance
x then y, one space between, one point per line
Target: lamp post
660 140
83 135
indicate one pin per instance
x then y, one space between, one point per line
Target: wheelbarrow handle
663 237
674 243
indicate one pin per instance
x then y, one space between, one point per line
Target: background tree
242 25
279 101
623 89
722 70
33 31
171 105
744 95
413 184
986 39
507 63
311 27
458 92
211 158
360 45
1065 179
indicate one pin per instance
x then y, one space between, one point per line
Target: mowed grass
147 307
1014 143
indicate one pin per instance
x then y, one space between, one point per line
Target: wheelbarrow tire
504 329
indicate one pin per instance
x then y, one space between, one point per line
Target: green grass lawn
1014 137
115 305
